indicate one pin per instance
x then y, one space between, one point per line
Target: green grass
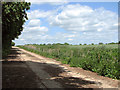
102 59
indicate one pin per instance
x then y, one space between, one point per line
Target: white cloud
22 39
69 35
32 35
36 30
83 18
34 22
41 29
70 39
52 2
34 26
82 24
32 31
35 14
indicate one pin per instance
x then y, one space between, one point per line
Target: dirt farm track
23 69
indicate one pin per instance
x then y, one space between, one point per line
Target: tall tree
13 17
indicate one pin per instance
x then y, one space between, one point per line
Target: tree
13 17
66 43
112 43
49 44
100 43
119 42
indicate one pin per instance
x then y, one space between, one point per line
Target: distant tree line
102 43
79 44
52 44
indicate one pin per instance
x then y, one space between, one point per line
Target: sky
71 22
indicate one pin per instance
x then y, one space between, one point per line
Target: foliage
13 18
100 43
102 59
66 43
92 44
13 44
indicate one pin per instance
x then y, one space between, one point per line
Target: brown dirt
18 74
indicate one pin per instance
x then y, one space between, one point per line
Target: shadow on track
16 74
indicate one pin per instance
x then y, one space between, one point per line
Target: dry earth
23 69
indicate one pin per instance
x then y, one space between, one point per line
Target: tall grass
102 59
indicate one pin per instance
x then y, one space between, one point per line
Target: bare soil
23 69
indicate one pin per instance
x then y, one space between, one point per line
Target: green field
102 59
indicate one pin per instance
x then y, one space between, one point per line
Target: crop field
102 59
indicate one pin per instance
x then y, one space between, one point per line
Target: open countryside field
102 59
40 44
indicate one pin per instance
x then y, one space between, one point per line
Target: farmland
102 59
